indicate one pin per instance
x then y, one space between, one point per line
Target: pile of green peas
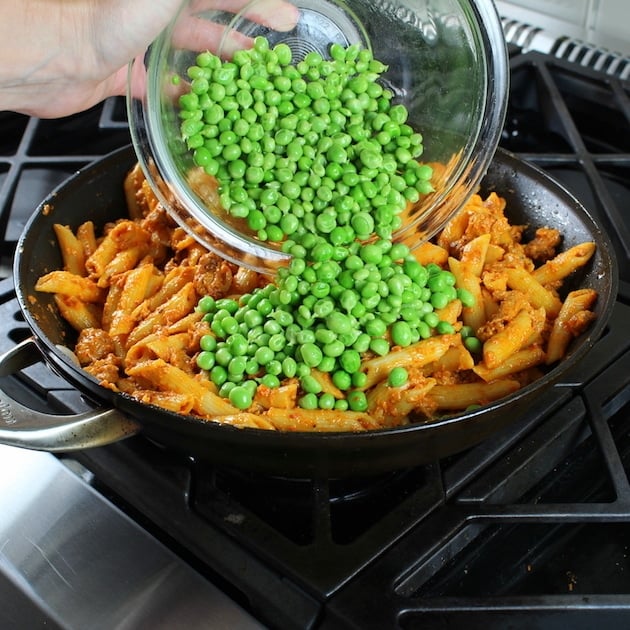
314 156
305 146
325 316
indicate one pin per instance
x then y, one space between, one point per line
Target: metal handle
27 428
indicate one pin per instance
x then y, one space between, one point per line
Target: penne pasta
168 378
418 354
539 296
564 264
178 403
80 315
121 262
474 253
282 397
70 284
136 287
519 361
391 406
464 395
246 420
87 238
320 420
71 249
473 316
455 359
178 306
509 340
572 319
428 253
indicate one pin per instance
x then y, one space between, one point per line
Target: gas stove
531 528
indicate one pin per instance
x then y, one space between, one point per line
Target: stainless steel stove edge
84 564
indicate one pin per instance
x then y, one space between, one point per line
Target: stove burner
288 505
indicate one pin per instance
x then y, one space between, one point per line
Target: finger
277 15
200 34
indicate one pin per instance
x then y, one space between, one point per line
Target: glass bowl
446 63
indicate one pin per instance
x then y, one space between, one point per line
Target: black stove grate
531 528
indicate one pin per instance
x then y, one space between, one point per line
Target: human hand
75 54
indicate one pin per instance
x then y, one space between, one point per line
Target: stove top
531 528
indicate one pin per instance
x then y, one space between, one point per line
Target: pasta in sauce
132 291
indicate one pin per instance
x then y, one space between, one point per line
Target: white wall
605 23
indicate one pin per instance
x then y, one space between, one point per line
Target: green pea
327 364
372 254
401 333
357 401
274 233
439 300
289 367
323 335
473 344
348 299
444 328
277 342
359 379
240 397
334 348
325 223
206 60
310 384
274 367
371 158
264 355
311 354
207 304
223 356
379 346
363 224
237 345
326 401
339 323
208 343
226 388
466 297
431 319
376 327
236 366
399 251
342 379
283 53
350 360
230 325
218 375
398 377
362 343
308 401
270 380
206 360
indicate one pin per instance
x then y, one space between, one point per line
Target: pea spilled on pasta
158 323
316 156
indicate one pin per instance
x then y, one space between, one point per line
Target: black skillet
96 192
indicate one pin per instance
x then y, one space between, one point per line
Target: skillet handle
27 428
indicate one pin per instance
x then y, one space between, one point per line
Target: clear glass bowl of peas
346 121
